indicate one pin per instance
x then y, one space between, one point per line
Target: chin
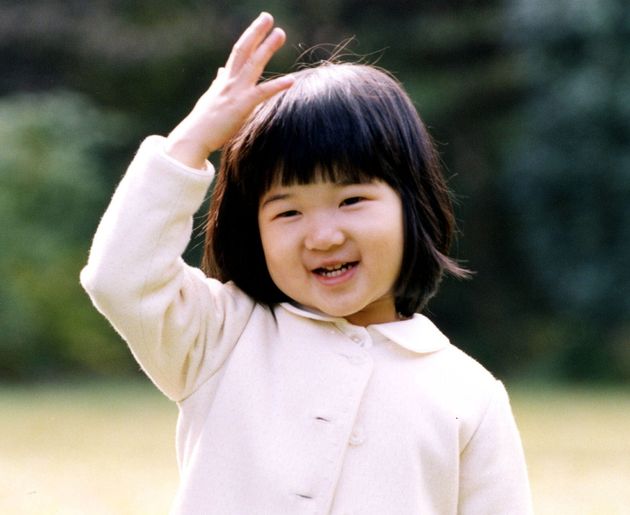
339 312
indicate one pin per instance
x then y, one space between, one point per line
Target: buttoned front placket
348 431
339 420
362 338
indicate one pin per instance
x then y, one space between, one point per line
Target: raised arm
233 95
170 314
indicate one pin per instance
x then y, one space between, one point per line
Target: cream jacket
293 412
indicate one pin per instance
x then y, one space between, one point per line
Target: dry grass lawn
109 449
577 444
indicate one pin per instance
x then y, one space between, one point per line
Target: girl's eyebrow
274 198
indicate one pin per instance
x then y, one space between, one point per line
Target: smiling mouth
335 271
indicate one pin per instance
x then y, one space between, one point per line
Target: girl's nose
323 235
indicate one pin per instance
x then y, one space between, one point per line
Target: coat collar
417 334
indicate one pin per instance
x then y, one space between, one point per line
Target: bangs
335 128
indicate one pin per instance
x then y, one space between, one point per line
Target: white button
355 338
357 437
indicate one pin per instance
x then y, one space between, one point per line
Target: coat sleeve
493 474
172 316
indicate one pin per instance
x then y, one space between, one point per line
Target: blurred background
528 100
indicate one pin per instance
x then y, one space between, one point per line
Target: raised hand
233 95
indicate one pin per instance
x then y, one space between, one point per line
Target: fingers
265 52
251 54
249 41
232 96
269 88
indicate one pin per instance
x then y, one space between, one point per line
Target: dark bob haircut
338 122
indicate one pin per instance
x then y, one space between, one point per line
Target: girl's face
335 248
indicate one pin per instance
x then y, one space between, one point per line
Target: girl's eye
288 214
351 200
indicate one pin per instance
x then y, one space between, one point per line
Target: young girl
305 379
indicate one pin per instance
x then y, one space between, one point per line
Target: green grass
109 449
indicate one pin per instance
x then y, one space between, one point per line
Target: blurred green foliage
528 100
567 179
51 190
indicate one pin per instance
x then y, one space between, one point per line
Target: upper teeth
334 271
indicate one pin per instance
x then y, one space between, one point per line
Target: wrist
186 151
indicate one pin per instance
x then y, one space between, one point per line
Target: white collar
417 334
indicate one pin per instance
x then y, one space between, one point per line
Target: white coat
294 412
